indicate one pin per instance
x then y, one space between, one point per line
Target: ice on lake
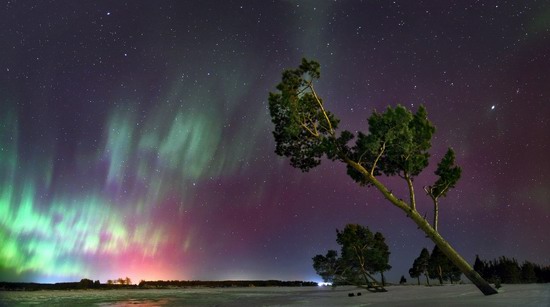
448 295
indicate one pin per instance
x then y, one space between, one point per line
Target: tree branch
381 187
444 190
310 85
313 133
411 191
378 158
435 200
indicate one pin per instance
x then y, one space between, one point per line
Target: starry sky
135 138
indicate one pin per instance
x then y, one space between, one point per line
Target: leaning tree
362 254
396 144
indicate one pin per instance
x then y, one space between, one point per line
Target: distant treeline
159 284
223 283
509 271
83 284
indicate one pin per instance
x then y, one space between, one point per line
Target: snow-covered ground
448 295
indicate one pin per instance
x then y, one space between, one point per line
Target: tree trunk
445 247
418 278
369 283
374 281
436 214
453 255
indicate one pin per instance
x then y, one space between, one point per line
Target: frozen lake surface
448 295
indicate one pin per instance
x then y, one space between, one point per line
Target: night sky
135 138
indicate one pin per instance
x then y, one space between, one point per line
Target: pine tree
328 266
414 273
358 251
480 267
438 265
362 254
380 256
397 144
528 274
420 266
449 174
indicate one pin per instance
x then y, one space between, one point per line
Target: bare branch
378 158
310 85
313 133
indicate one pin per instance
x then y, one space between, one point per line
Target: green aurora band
145 165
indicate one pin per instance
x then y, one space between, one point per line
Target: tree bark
436 214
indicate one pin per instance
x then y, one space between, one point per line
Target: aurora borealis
135 138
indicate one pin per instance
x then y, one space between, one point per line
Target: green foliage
328 267
509 271
528 274
363 250
397 143
420 265
355 241
479 266
449 174
380 254
437 265
415 273
454 273
362 253
304 132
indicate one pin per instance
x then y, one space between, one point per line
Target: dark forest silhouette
158 284
509 271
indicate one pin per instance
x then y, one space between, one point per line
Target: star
140 137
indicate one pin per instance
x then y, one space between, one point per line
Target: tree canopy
362 254
449 174
328 266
